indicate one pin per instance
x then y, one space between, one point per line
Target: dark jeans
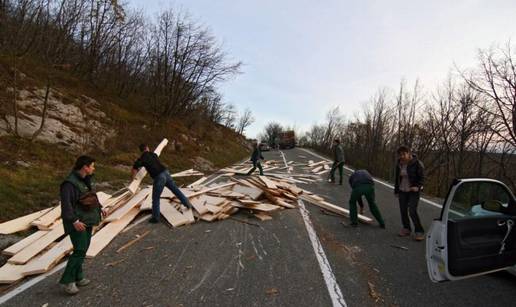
160 182
81 242
256 164
356 194
340 166
408 206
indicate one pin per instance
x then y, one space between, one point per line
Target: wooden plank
132 242
211 189
21 223
317 169
262 216
316 163
35 248
260 207
45 221
48 259
133 202
322 172
188 213
133 186
268 182
172 215
146 204
211 200
285 204
335 209
102 238
199 206
213 209
253 193
113 201
18 246
197 182
10 273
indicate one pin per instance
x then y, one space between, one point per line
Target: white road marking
30 283
376 180
329 278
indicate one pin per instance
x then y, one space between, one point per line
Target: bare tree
271 132
495 78
245 120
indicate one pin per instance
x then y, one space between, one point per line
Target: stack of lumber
260 196
319 168
43 249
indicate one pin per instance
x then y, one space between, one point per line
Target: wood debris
260 196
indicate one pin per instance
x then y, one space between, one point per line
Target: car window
480 199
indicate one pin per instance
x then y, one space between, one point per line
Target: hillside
83 119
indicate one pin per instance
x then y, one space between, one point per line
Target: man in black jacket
338 162
410 176
161 179
256 156
78 221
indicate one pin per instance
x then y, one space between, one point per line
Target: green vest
91 217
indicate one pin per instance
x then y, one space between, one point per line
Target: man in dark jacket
78 221
161 179
338 161
410 176
255 158
362 183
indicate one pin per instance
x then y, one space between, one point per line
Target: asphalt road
272 263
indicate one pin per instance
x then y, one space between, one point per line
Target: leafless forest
172 64
464 128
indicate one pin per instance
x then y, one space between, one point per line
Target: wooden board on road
102 238
30 251
21 223
18 246
46 220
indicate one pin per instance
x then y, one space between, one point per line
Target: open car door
476 233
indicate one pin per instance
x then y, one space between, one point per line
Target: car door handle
510 224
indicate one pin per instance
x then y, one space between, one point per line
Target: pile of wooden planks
43 249
260 196
318 168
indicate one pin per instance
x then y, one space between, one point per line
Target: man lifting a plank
80 211
362 183
161 179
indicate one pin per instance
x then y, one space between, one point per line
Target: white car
476 232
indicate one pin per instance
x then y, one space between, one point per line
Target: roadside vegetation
149 78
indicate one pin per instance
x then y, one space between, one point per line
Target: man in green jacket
78 221
338 161
362 183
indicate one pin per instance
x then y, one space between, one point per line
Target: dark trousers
408 206
81 242
340 166
256 164
160 182
366 190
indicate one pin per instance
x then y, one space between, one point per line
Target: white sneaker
70 288
83 282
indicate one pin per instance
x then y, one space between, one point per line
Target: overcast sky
301 58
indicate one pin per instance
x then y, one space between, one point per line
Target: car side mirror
492 205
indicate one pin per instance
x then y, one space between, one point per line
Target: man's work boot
153 220
419 236
70 289
404 232
83 282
